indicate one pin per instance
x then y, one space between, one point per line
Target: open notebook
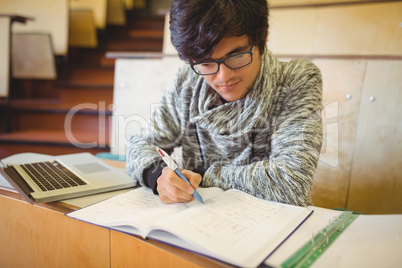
231 226
40 178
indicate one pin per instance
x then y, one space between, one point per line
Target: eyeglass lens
234 62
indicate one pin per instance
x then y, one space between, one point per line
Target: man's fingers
169 198
172 189
170 178
193 178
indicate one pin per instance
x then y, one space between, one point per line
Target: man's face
233 85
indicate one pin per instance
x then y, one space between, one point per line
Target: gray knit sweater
266 145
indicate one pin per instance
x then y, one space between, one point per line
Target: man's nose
224 73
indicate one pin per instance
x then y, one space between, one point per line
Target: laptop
43 178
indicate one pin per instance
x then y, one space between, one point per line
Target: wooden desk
41 235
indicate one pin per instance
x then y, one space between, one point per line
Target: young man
244 120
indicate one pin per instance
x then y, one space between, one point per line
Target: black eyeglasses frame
250 51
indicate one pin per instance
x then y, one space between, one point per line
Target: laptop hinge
19 183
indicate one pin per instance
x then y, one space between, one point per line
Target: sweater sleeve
286 175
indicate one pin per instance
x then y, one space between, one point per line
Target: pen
173 166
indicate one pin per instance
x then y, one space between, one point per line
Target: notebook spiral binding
320 241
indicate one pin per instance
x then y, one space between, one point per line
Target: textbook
231 226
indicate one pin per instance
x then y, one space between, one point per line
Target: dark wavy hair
197 26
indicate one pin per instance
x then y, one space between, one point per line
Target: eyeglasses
233 62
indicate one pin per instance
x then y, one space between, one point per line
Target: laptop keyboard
52 175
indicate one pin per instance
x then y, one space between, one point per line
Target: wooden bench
35 44
82 29
33 56
6 21
49 17
361 151
367 29
97 7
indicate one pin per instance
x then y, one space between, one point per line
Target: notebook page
139 208
235 227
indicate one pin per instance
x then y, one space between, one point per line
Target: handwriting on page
129 204
230 218
238 206
224 229
139 204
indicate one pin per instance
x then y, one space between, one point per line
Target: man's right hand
172 189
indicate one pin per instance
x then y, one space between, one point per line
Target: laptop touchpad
91 167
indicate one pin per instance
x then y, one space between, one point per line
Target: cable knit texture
266 145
